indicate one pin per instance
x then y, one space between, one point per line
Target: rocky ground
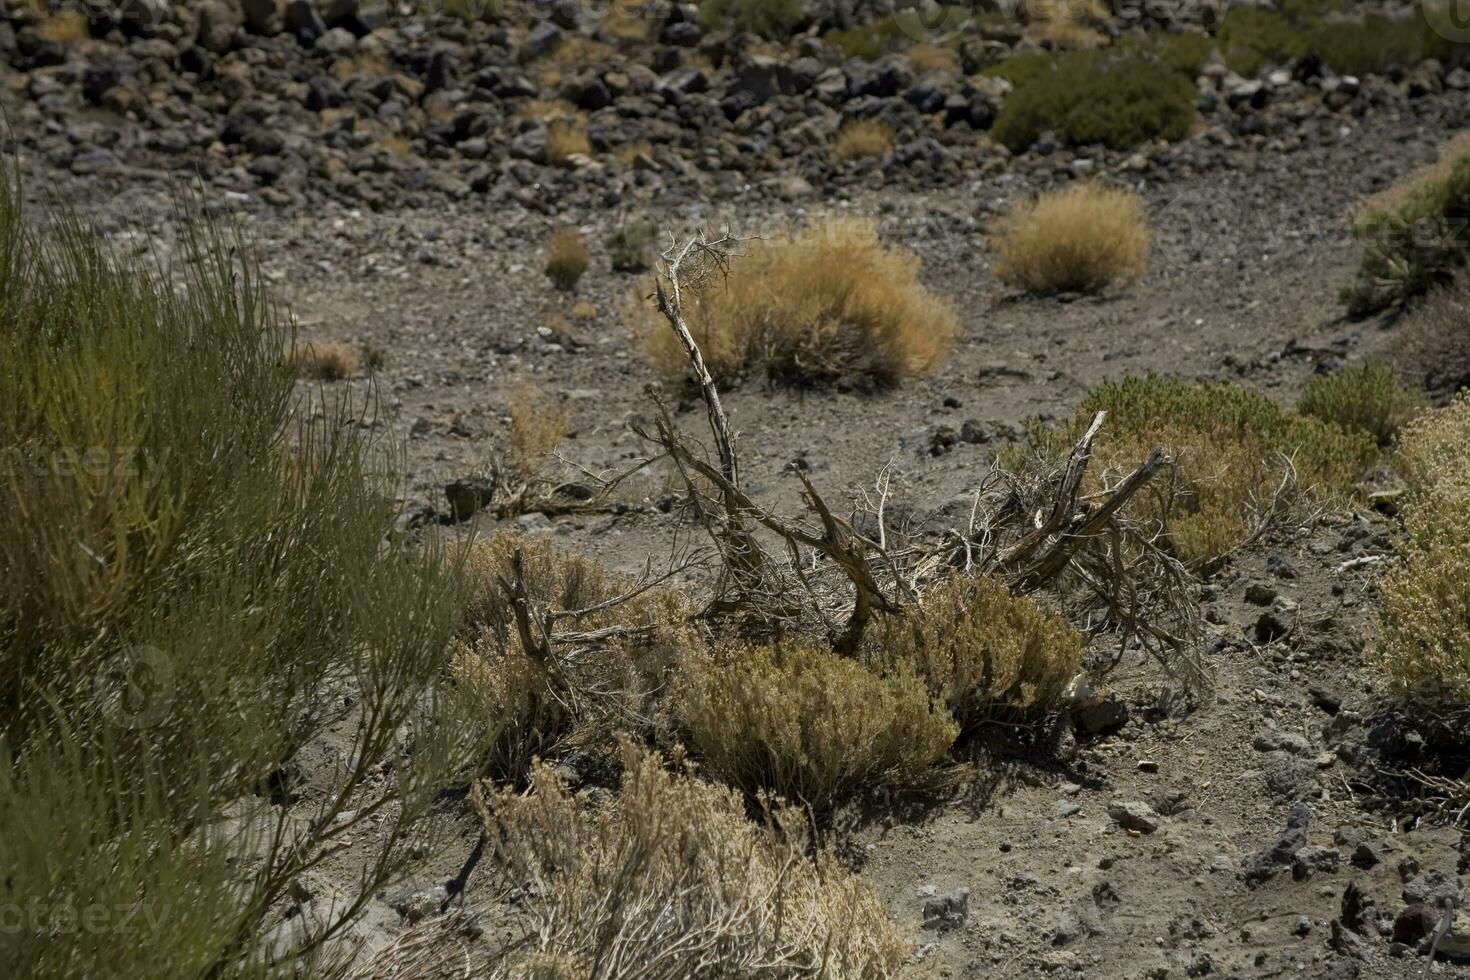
394 179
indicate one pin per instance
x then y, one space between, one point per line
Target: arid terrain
391 176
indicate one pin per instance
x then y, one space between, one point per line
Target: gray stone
947 911
218 24
1134 815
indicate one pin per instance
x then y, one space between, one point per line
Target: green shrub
1229 446
1424 645
1182 51
768 18
882 36
1023 67
985 654
806 723
631 244
1373 46
1251 38
1415 239
1097 97
191 583
1367 398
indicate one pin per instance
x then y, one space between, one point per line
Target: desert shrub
1367 398
1252 38
1230 448
985 654
873 40
1432 346
670 881
807 723
1067 23
1424 645
528 707
769 18
180 614
1023 67
1119 100
64 27
324 360
566 137
1371 46
859 138
566 258
932 57
1081 239
631 244
1181 51
1415 236
471 10
825 302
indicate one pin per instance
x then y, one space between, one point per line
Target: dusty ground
1248 256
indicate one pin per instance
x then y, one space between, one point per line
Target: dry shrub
539 708
538 424
1232 449
826 302
1367 398
670 881
1424 648
1067 23
565 138
932 57
325 360
566 258
64 27
806 723
1431 346
1077 240
861 138
984 653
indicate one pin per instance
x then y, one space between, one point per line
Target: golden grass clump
538 424
566 137
1424 645
533 708
861 138
984 653
1078 240
64 27
670 881
806 723
1069 24
932 57
1367 398
325 360
566 258
826 302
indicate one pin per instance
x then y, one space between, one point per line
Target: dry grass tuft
566 138
828 301
985 654
566 258
538 424
1069 24
861 138
64 27
807 723
1078 240
325 360
931 57
670 881
1394 197
1424 646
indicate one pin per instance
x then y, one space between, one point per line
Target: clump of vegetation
470 11
531 703
1081 239
675 858
984 653
1251 38
1424 647
1237 456
1415 235
808 724
828 301
566 137
861 138
1183 51
873 40
324 360
1067 23
932 57
538 424
631 244
566 258
768 18
64 27
1119 100
1367 398
225 610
